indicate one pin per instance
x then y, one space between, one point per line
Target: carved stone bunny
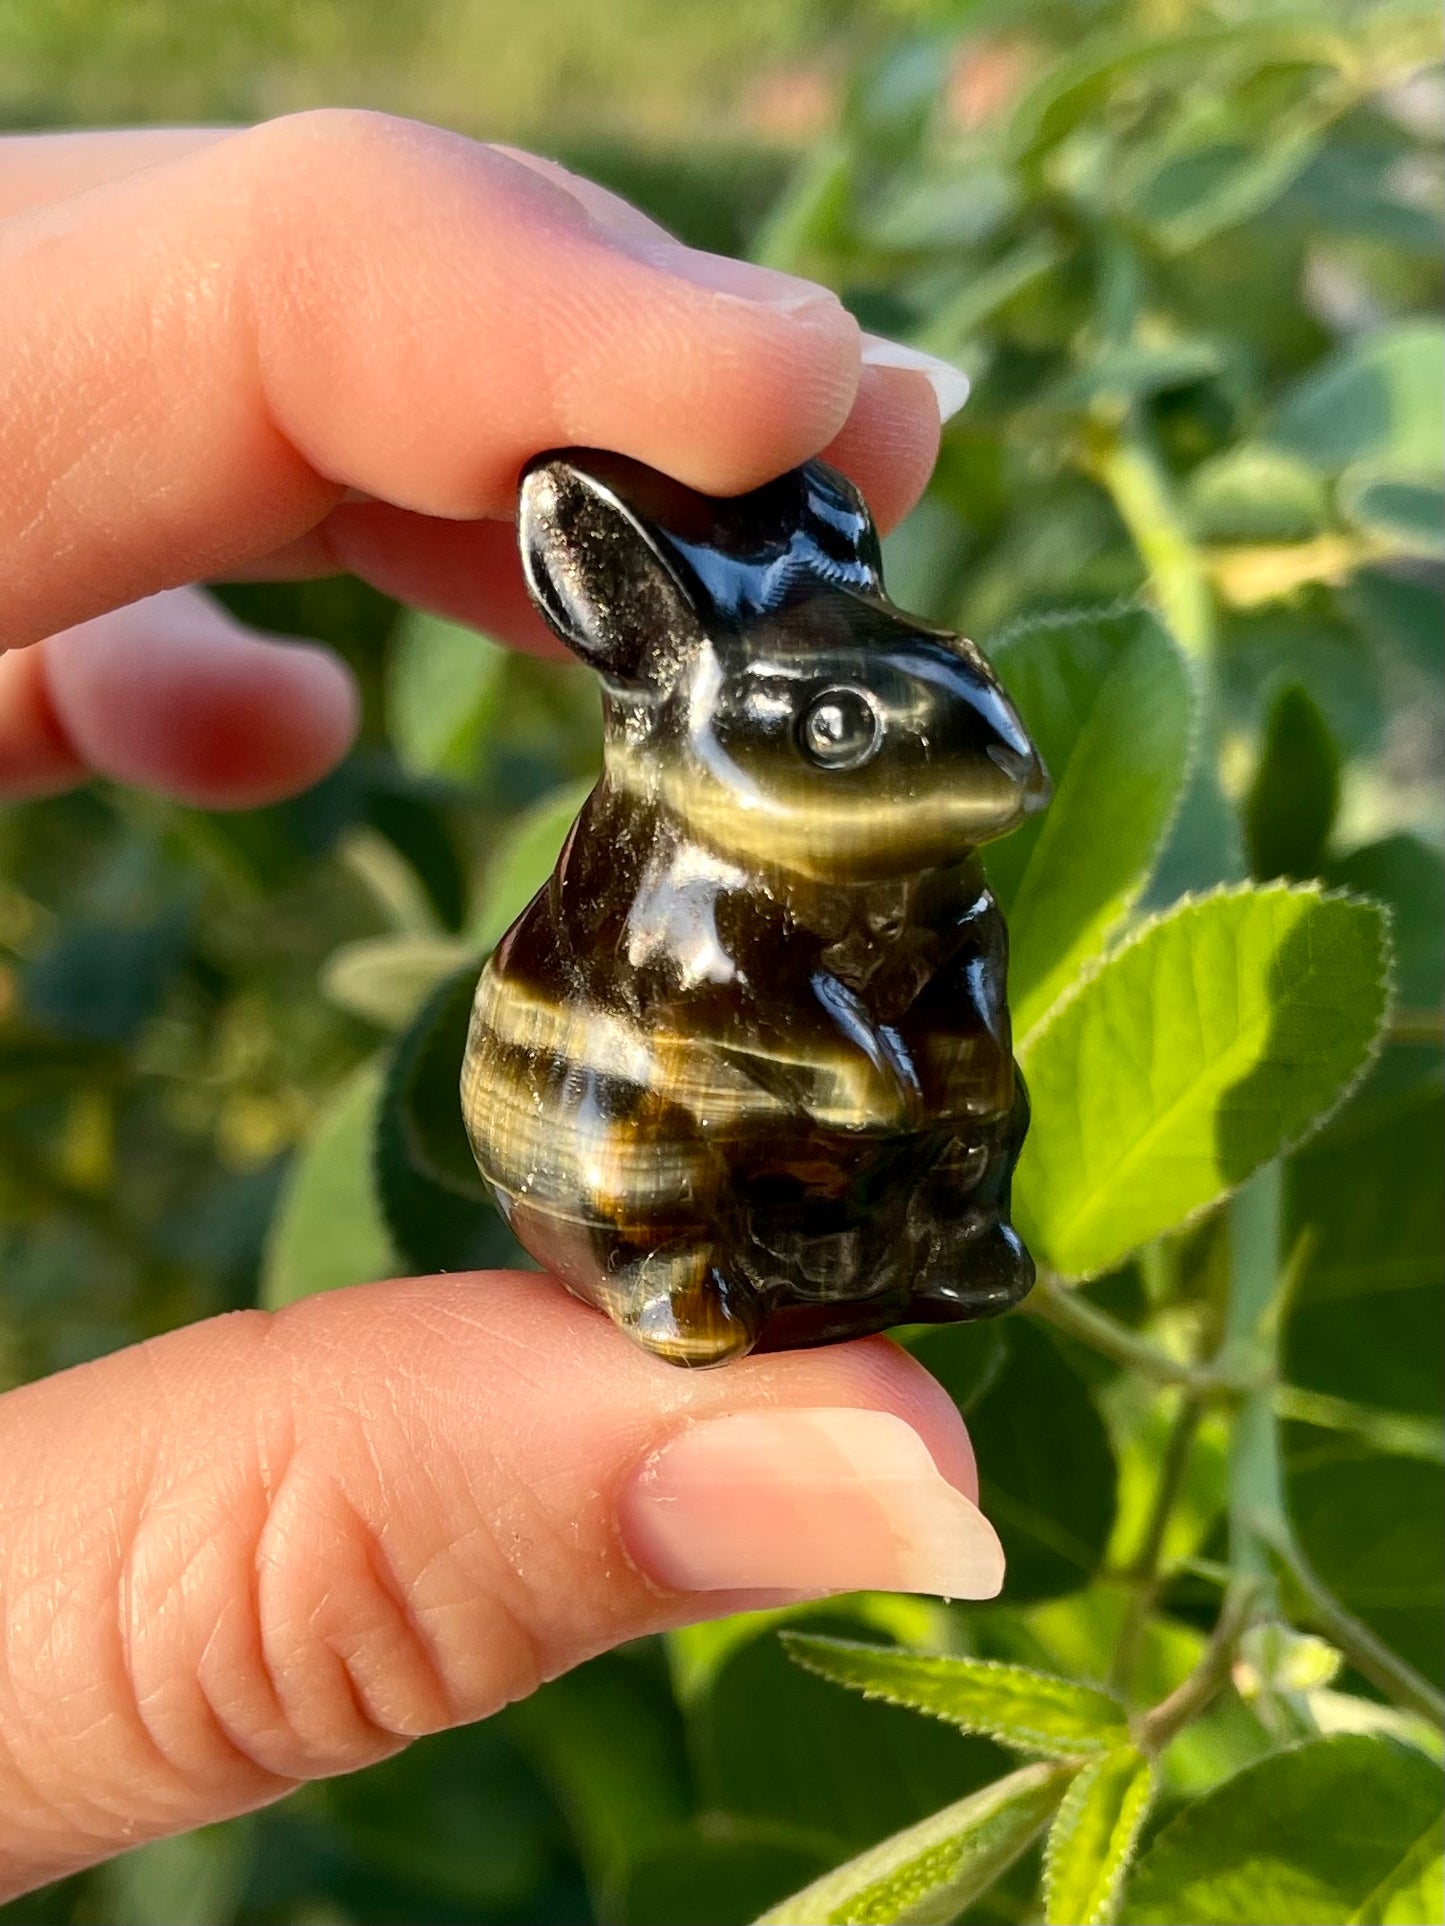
741 1073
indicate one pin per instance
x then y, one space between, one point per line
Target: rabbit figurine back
741 1074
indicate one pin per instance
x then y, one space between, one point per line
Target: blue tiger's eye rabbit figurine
741 1073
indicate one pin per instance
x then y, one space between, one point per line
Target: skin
267 1548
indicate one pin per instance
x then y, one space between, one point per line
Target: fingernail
744 280
806 1501
949 384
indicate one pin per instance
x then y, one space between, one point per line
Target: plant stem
1154 1730
1067 1310
1367 1652
1416 1026
1396 1432
1171 1482
1129 467
1143 1573
1256 1479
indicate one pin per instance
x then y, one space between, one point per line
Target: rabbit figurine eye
841 729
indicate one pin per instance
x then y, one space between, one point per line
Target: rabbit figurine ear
595 571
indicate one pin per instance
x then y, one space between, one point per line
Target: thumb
269 1548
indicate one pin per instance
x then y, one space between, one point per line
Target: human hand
265 1549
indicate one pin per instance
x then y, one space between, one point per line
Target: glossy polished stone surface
741 1074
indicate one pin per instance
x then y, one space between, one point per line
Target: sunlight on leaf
1107 698
445 684
523 860
385 978
929 1874
1027 1710
696 1654
1093 1837
1254 493
1212 1040
329 1229
1334 1830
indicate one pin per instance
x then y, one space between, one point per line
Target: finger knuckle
323 144
278 1621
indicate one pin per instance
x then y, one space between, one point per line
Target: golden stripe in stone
709 1077
580 1168
810 826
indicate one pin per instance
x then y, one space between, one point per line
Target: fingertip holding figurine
741 1074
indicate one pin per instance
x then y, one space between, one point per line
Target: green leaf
1363 1320
524 859
1108 700
1197 194
1211 1041
810 221
607 1739
105 981
1047 1476
1254 493
392 880
1290 809
1142 1417
460 1828
1203 848
1137 370
437 1208
953 324
696 1653
443 692
1353 187
716 1869
922 558
1026 1710
385 978
194 1879
894 97
1369 1524
1093 1837
965 1358
328 1230
1379 396
1086 81
1409 878
774 1742
932 1872
1315 645
1412 1893
954 209
1078 1636
1316 1833
1407 509
1403 617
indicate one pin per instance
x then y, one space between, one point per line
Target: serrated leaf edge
1018 1738
1065 1825
1067 618
874 1869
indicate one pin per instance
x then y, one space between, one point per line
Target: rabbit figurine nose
1025 769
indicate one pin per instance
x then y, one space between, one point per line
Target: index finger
198 361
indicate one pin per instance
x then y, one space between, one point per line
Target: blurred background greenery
1190 255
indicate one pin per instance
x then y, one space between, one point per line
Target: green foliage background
1189 254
